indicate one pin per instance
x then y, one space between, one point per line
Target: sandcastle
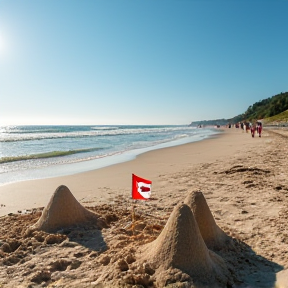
179 254
213 236
180 246
63 210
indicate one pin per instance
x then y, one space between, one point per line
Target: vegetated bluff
260 110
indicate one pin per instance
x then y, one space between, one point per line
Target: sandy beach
243 179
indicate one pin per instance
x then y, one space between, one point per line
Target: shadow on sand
249 269
88 237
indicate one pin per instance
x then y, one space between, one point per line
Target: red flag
141 188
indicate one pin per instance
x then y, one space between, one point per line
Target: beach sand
243 179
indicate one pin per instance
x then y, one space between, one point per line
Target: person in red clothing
260 129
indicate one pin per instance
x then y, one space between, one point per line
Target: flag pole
141 190
133 218
133 212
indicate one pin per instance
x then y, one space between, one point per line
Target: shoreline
150 165
66 169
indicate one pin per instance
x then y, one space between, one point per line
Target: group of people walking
246 127
254 128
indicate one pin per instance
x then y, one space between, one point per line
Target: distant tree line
262 109
210 122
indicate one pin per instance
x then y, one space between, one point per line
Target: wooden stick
133 219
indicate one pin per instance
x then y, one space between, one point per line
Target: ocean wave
46 155
35 129
103 131
105 128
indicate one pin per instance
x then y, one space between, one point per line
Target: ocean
32 152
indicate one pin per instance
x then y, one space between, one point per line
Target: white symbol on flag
144 189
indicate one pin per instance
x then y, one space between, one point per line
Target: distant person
244 127
247 127
253 128
260 129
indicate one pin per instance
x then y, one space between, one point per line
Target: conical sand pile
181 246
63 210
212 235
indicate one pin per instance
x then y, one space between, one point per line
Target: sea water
31 152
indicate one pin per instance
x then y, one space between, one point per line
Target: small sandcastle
63 210
214 237
180 247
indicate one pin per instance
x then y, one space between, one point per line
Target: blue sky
139 62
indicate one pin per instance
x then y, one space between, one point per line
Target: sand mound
213 236
63 210
181 247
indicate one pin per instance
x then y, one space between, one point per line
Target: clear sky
139 61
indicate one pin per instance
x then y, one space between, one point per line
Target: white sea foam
27 150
